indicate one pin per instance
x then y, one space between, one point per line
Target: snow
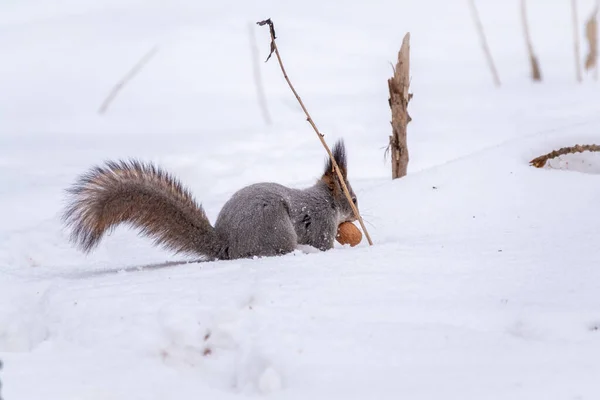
483 281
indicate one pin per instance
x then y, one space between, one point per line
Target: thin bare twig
536 73
591 34
596 18
576 37
275 50
540 161
484 45
262 101
121 84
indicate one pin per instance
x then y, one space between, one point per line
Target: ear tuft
339 154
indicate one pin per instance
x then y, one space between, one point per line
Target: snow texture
484 278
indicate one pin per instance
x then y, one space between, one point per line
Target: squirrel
263 219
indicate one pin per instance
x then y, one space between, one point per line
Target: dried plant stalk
275 50
484 45
576 40
539 162
262 100
536 73
591 34
398 101
121 84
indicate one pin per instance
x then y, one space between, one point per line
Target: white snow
484 278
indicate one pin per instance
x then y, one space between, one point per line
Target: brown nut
348 233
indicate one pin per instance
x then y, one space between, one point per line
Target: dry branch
262 101
576 40
121 84
539 162
484 45
398 101
591 34
275 50
536 74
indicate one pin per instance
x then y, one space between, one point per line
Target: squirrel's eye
354 200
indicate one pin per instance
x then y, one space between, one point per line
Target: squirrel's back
255 221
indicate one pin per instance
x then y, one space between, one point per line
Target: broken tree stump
398 101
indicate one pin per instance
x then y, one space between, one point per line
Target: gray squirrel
263 219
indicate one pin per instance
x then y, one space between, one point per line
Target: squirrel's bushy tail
145 197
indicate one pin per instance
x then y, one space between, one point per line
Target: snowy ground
484 279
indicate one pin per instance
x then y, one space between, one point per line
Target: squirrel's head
331 179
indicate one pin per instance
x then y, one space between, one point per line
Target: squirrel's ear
339 154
